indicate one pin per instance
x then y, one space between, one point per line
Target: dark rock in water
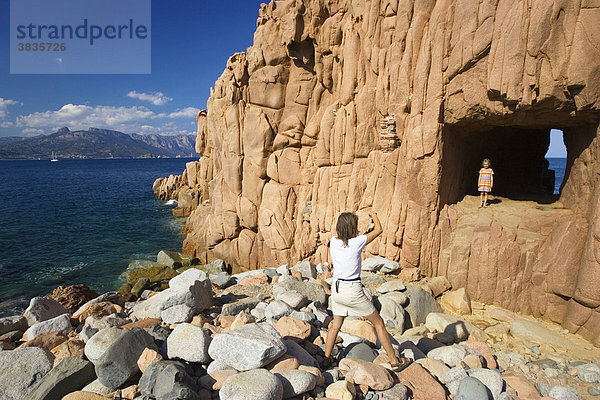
141 285
70 375
72 297
118 364
168 380
472 389
21 369
11 324
154 274
360 351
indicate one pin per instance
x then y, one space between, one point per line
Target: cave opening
557 158
518 158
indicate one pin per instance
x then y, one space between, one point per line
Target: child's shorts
351 300
485 189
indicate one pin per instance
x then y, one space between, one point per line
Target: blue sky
191 42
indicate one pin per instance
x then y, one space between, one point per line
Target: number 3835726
41 46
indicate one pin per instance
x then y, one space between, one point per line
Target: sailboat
54 159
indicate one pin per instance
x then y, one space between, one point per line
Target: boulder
439 285
277 309
248 347
22 369
72 297
215 380
169 258
98 310
472 389
421 383
293 299
217 365
148 357
257 384
61 324
282 363
589 373
341 390
380 264
256 280
564 393
221 279
71 348
150 308
451 355
100 342
366 373
420 304
11 324
307 269
438 322
118 364
360 351
141 285
296 382
234 308
292 328
313 291
69 375
43 309
360 328
111 297
168 380
190 343
391 312
83 395
48 340
299 353
395 285
457 301
155 274
190 293
491 378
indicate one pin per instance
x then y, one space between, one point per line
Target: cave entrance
557 158
518 158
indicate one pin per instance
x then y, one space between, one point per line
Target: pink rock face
391 106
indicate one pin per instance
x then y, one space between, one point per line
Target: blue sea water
79 221
559 166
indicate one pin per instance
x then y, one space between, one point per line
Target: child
347 295
486 181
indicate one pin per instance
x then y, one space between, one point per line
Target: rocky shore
178 329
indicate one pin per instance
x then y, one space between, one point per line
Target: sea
84 221
80 221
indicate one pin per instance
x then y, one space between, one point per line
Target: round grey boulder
257 384
190 343
296 382
472 389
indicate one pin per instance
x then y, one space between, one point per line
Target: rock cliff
390 106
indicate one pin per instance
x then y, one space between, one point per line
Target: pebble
564 393
472 389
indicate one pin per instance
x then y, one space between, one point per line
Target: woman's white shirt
346 260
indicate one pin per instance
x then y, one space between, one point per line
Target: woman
347 295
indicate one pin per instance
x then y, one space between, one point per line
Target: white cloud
137 119
77 116
188 112
4 103
7 124
156 98
32 131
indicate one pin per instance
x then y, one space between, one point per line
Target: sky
191 42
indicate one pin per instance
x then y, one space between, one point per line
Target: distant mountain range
96 143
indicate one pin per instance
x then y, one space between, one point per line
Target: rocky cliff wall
390 105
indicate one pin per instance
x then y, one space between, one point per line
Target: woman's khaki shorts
351 300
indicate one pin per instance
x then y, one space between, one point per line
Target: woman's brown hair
347 227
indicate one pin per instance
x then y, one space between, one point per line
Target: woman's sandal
402 363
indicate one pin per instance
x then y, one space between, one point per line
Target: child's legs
486 197
332 333
481 196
